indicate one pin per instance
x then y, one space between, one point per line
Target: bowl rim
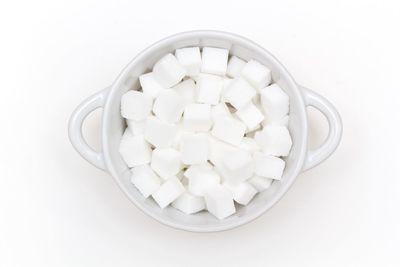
216 34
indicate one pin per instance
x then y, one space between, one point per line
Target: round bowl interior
114 125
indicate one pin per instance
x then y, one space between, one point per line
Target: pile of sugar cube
205 131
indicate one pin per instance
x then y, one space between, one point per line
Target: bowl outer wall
296 96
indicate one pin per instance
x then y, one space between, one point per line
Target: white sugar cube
135 150
242 192
201 179
256 74
235 66
194 148
239 93
275 102
168 192
257 127
219 201
249 144
181 132
136 105
268 166
189 203
166 162
229 130
237 167
214 60
145 180
284 121
209 89
218 150
150 85
159 133
190 59
250 115
194 170
136 127
220 110
127 134
225 84
197 117
257 101
274 140
168 71
187 90
169 106
260 183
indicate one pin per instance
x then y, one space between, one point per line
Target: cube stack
205 131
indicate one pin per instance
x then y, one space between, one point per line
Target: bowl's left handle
75 128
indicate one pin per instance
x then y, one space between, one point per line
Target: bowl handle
315 157
75 128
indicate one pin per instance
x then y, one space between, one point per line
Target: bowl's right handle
75 128
315 157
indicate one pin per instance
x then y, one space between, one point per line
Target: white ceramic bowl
300 158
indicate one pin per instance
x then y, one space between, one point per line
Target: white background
58 210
